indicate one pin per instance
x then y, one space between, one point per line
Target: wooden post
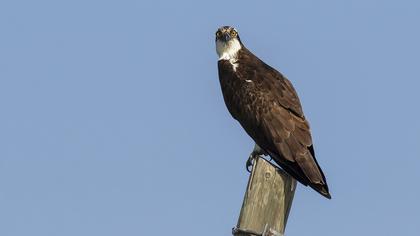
267 201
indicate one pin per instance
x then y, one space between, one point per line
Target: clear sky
113 123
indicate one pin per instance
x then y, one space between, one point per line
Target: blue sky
112 119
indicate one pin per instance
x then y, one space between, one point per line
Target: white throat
228 50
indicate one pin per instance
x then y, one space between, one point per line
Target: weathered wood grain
267 200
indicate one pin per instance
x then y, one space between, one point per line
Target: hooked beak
225 37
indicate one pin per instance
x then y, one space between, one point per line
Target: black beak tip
225 37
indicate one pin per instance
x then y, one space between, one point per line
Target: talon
249 163
254 155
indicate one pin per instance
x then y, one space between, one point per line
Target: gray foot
252 157
257 152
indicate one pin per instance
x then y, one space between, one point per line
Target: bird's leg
253 156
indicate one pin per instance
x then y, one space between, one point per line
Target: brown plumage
268 108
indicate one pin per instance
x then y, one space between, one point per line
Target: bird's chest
240 92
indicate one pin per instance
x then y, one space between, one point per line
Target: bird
268 108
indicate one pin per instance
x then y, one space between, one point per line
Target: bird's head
227 43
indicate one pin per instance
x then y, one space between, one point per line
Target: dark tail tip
322 189
327 195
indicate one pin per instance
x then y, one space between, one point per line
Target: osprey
268 108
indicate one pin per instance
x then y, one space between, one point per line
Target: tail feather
318 184
322 189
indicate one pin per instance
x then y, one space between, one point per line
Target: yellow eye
218 33
233 33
